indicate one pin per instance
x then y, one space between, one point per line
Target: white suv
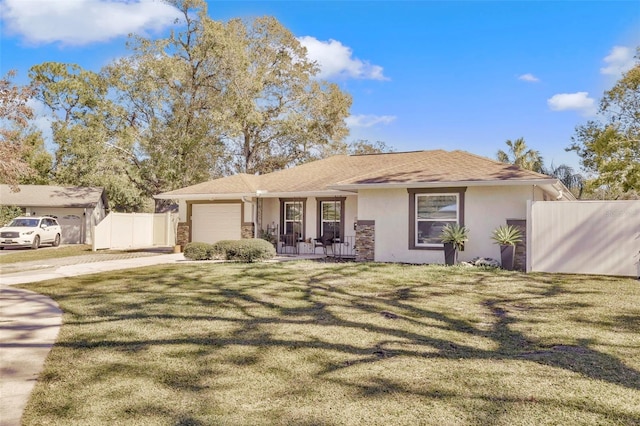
30 232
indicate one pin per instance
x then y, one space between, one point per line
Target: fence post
529 241
93 240
168 228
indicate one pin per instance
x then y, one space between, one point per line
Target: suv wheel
36 242
56 241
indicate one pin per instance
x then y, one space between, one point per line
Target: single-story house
77 208
387 207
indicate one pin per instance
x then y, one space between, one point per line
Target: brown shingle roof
437 166
442 166
51 196
237 184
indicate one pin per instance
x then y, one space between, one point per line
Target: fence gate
584 237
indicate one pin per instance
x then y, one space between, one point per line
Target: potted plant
507 236
453 237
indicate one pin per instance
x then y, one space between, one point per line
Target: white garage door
215 222
71 225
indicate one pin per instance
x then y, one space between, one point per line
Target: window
433 213
292 217
331 218
430 211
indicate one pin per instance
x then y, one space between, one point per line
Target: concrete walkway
29 324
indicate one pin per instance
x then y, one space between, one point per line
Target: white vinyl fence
135 230
584 237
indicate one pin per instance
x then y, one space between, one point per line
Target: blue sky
423 74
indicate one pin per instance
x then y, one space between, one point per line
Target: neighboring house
77 208
383 207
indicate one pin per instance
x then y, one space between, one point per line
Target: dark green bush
197 251
250 250
240 250
220 249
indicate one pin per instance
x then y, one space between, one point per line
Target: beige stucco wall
248 211
270 207
182 210
485 209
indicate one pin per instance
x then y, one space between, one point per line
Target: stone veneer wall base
247 231
365 240
520 262
182 236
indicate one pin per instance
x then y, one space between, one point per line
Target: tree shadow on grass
262 298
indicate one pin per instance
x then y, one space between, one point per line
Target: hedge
197 251
248 250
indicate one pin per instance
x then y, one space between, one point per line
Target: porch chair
326 240
290 240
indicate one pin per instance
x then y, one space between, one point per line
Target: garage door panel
71 221
215 222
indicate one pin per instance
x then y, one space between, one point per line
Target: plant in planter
267 235
507 236
453 237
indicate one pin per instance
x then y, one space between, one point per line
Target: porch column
259 208
182 237
365 240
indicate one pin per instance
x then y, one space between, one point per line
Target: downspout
83 229
560 191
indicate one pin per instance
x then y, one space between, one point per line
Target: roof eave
443 184
204 196
257 194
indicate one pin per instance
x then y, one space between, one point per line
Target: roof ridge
501 163
391 153
395 165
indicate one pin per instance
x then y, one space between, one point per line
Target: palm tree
573 181
519 155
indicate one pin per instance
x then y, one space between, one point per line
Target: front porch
309 226
288 244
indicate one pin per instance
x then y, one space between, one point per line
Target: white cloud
336 60
79 22
529 78
618 61
579 101
363 120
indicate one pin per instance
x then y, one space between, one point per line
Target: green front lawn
43 253
340 344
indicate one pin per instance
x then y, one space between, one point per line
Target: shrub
197 251
219 250
250 250
7 213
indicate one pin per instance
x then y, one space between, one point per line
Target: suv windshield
24 222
